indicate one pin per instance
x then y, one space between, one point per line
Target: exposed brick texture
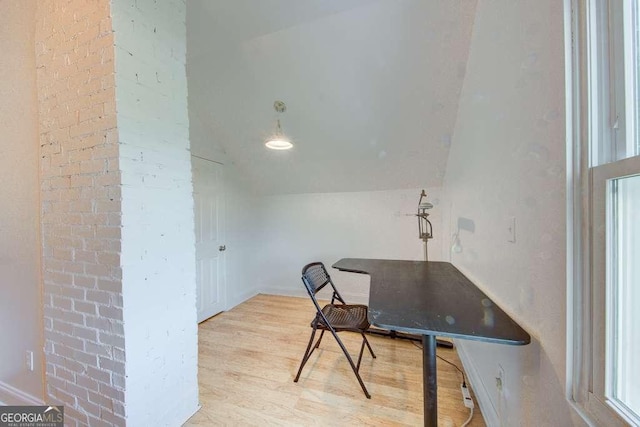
81 211
158 242
117 211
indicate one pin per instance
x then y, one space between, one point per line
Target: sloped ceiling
371 88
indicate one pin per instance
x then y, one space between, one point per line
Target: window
605 377
624 246
615 283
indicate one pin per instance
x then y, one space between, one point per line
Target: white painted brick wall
158 250
80 214
117 211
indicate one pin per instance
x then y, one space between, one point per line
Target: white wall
507 159
302 228
158 240
20 290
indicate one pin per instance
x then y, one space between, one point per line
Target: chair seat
345 317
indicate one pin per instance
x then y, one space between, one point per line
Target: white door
208 198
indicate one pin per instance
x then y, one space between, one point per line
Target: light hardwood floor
248 357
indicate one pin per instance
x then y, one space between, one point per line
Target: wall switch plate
511 229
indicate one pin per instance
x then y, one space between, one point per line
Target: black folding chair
334 318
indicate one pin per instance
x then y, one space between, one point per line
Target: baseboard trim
242 297
287 292
194 412
9 395
352 298
480 391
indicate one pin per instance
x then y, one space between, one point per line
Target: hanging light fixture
278 141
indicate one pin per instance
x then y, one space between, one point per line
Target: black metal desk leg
430 380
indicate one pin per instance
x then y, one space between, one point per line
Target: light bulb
278 143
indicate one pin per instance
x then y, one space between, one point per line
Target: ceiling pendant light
278 141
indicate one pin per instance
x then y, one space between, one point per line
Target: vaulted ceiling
371 88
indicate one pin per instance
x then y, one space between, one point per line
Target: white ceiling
371 88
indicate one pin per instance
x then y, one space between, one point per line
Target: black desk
429 299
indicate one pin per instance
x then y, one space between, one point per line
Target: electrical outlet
29 360
500 379
501 387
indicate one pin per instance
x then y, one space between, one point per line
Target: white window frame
593 113
601 246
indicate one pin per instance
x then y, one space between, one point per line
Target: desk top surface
432 298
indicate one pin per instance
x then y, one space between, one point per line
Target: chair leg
320 339
368 345
353 366
307 354
360 356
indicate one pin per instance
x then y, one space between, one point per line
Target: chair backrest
315 277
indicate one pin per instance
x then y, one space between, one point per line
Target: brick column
158 239
117 211
81 211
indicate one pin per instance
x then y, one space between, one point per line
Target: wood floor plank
249 356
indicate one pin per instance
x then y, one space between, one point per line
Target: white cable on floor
466 423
